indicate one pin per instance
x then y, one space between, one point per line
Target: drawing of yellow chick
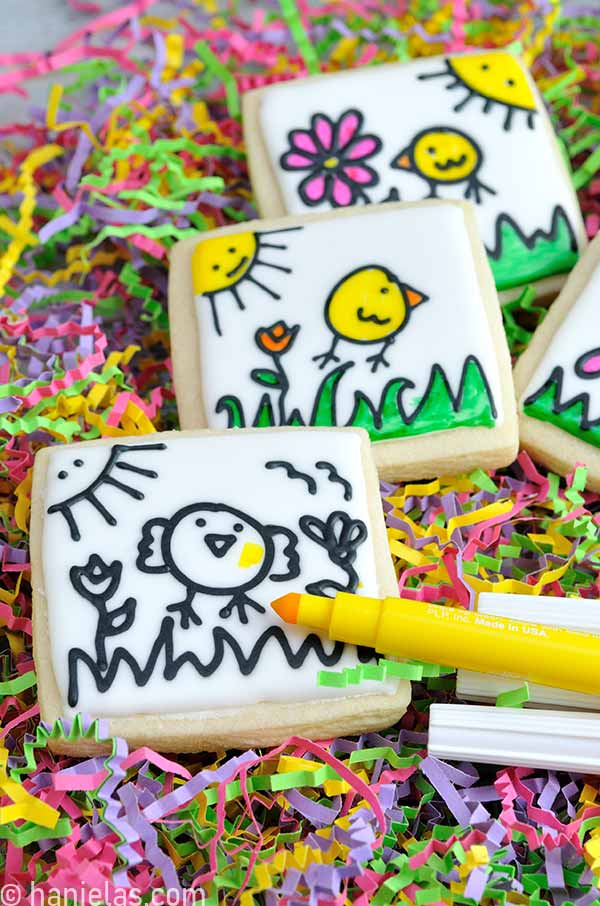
369 305
444 156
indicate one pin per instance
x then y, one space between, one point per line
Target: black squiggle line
335 477
292 472
222 640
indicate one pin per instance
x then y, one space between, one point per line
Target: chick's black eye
216 267
485 66
238 527
200 522
384 290
62 474
232 250
78 462
431 150
510 82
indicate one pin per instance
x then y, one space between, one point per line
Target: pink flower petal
361 175
314 188
348 127
364 147
591 366
342 194
323 130
303 141
297 161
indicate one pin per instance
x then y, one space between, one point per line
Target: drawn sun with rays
83 487
496 78
222 264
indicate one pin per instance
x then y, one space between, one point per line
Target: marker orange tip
287 607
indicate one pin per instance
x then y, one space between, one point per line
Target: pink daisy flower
334 153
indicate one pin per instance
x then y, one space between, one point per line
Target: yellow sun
496 78
222 263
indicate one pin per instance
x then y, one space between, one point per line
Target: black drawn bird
214 549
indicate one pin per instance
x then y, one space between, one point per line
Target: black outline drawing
556 378
96 573
558 215
340 536
247 275
223 640
239 598
581 361
488 102
474 185
329 174
292 472
455 398
283 384
378 358
117 450
335 477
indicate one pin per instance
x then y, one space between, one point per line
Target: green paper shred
513 698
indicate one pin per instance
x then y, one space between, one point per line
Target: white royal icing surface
575 337
427 248
191 472
519 162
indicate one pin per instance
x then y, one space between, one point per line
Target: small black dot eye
384 290
216 267
78 462
232 250
200 522
431 150
62 474
238 527
485 66
510 82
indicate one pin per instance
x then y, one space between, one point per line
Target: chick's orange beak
402 162
413 296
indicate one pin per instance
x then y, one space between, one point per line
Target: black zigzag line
537 235
558 407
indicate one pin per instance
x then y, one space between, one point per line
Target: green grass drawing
518 259
570 416
437 410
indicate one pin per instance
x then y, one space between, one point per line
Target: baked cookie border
269 199
216 729
549 445
424 456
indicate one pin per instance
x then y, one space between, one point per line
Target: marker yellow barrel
453 636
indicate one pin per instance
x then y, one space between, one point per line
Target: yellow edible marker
452 636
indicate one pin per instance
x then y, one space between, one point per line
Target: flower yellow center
331 162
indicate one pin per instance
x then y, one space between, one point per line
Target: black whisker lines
88 494
292 472
335 477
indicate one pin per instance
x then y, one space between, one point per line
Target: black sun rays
223 264
106 477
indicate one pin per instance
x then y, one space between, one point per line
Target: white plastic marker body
578 614
556 740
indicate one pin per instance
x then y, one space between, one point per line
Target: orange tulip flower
277 338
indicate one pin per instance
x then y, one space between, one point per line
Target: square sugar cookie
155 560
384 318
468 126
557 378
